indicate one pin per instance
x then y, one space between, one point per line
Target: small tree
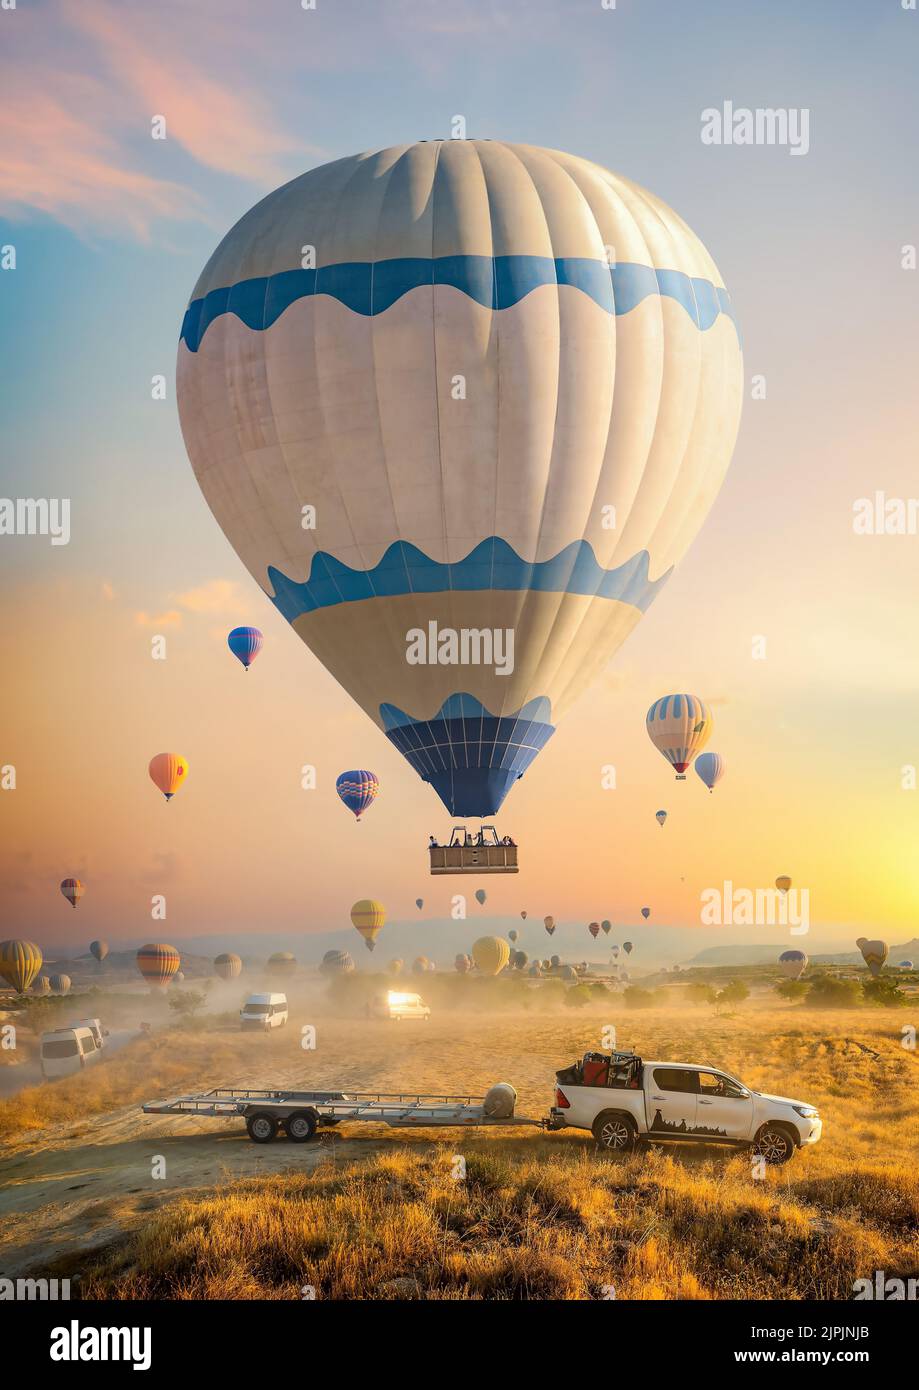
636 998
792 989
883 991
578 996
701 993
187 1003
827 992
734 993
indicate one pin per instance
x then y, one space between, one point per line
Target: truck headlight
807 1112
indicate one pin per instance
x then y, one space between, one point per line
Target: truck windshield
262 1009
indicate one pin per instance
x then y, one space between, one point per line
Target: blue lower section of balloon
495 282
492 564
470 757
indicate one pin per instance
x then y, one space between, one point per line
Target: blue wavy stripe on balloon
496 282
471 757
463 706
492 564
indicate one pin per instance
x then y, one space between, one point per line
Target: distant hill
744 954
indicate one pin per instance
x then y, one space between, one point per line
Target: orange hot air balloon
72 890
783 883
168 771
369 918
594 929
158 963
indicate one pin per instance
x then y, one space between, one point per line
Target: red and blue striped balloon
245 643
357 789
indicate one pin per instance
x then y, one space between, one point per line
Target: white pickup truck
623 1099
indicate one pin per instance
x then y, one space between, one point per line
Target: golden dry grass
537 1216
528 1220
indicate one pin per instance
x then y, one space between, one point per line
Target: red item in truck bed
595 1071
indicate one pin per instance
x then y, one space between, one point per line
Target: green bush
792 989
883 991
828 992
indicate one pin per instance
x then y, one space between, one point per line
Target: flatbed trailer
301 1113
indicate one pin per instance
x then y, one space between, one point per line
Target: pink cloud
58 162
164 67
81 88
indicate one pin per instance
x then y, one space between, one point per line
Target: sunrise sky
111 229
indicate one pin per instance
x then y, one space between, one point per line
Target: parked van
397 1006
95 1027
264 1011
65 1051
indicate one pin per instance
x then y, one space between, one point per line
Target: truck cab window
675 1079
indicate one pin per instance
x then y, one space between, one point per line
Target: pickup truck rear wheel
300 1126
614 1131
774 1143
262 1127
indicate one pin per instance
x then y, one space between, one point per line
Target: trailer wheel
300 1126
261 1127
614 1132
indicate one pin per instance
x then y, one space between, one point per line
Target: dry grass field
368 1212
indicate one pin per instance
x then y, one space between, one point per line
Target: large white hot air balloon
415 385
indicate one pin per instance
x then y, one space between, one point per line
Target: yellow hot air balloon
369 918
20 962
491 954
783 883
168 771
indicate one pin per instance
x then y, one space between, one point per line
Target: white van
65 1051
397 1006
95 1027
264 1011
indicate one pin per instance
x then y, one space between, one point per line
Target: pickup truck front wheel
614 1132
774 1144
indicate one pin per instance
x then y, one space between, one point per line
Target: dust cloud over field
76 1190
